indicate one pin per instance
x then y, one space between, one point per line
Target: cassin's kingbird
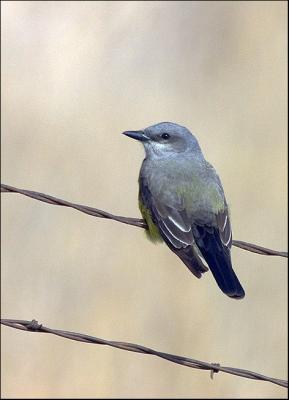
181 198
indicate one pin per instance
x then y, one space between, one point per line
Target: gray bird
182 200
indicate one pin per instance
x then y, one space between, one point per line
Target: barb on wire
34 326
125 220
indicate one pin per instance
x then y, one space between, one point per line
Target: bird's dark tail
222 270
218 258
220 266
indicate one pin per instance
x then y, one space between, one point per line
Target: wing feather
224 227
173 224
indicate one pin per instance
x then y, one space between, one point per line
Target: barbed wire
34 326
140 223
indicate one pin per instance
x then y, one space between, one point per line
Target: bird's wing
175 228
170 212
173 223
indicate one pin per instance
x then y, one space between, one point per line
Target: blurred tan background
74 76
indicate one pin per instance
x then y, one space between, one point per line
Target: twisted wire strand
254 248
34 326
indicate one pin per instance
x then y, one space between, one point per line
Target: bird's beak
138 135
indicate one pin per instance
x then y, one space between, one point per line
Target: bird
182 201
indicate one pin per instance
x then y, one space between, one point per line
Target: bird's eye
165 136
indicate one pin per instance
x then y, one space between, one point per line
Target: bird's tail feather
219 262
220 265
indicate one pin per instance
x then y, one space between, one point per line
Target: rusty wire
126 220
34 326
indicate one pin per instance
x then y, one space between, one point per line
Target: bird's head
166 139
